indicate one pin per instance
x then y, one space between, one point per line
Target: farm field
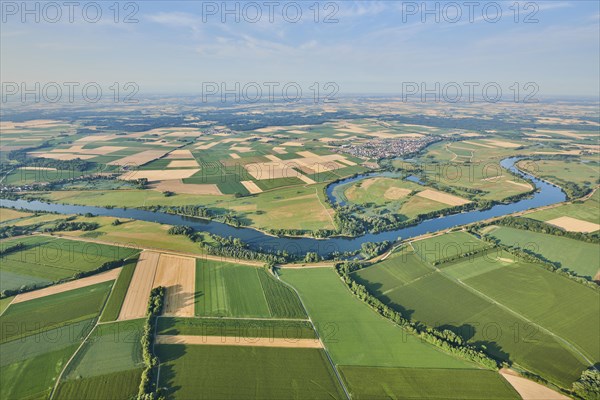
101 387
136 234
231 290
417 383
576 255
443 247
588 210
231 327
117 296
260 372
39 336
109 364
353 333
33 316
45 259
8 214
455 298
392 201
566 171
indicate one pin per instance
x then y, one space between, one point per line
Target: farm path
572 347
64 287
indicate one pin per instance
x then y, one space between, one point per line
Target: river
547 194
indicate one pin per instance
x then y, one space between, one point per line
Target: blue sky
371 49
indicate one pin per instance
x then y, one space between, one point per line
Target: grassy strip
115 301
242 328
116 385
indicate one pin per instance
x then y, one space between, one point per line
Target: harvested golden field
159 175
177 186
502 143
180 154
442 197
395 193
178 275
251 186
530 390
182 163
136 299
7 214
65 287
574 224
140 158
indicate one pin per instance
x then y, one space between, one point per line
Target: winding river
547 194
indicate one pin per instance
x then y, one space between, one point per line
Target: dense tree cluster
374 249
588 386
148 389
235 248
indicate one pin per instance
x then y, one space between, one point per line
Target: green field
565 171
283 301
578 256
30 366
33 378
39 336
465 297
588 210
238 372
365 383
232 290
442 247
235 327
33 316
111 347
28 177
373 190
117 296
353 333
46 259
4 303
107 366
118 385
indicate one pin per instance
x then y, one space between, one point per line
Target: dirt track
178 275
64 287
136 299
237 341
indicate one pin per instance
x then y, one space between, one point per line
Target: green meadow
240 372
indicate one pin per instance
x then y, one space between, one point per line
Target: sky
363 47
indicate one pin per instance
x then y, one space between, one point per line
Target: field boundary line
333 365
263 293
240 318
506 308
3 311
83 342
